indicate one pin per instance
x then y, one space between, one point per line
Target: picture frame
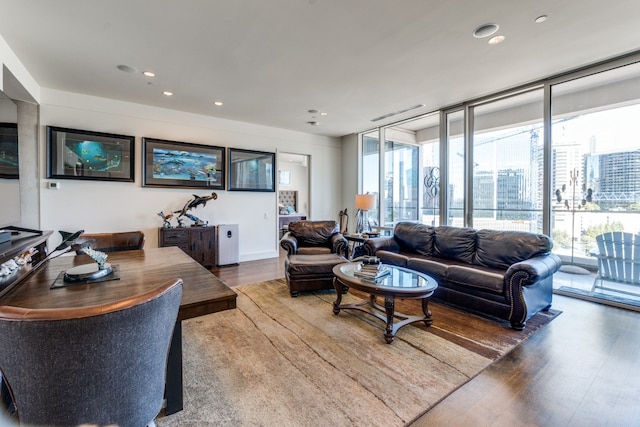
250 170
82 154
182 164
9 165
284 177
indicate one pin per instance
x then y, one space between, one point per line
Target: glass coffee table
401 282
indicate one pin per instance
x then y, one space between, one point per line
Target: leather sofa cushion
414 237
455 243
430 266
310 233
501 249
476 277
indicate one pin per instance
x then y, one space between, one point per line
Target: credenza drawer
173 237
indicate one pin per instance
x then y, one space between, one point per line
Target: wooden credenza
15 247
197 242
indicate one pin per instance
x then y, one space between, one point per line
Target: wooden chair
102 365
618 260
111 242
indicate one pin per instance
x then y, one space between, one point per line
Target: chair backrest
619 257
310 233
98 365
112 242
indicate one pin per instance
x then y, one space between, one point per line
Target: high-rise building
484 197
614 178
512 193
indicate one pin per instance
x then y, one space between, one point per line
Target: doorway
293 189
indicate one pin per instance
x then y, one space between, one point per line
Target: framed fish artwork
182 164
82 154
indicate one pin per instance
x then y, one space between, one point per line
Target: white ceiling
270 61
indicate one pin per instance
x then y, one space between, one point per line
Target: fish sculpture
192 204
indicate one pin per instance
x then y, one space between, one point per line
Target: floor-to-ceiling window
428 136
410 170
455 180
560 157
370 167
508 163
595 169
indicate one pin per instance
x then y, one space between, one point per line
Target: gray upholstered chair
98 365
111 242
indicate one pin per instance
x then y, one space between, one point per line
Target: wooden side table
355 241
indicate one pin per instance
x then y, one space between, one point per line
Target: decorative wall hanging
82 154
251 170
182 164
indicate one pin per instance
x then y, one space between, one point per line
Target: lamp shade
365 201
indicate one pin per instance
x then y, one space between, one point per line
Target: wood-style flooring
583 369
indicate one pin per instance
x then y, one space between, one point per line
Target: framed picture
82 154
284 177
251 170
9 168
182 164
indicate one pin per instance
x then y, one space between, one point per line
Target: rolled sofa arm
339 244
386 243
530 287
534 269
289 243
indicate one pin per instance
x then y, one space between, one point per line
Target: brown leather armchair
313 249
314 238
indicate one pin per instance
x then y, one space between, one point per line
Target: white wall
101 206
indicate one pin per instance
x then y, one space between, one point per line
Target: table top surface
360 237
399 282
139 270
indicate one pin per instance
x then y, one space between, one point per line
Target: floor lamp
364 203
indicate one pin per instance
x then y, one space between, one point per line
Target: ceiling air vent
415 107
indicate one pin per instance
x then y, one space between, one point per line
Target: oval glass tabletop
398 278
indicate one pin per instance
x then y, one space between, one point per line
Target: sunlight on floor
581 285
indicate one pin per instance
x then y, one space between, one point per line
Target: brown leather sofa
313 249
506 274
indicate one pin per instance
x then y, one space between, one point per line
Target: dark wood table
401 283
139 271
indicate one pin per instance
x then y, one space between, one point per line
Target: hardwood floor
251 272
583 369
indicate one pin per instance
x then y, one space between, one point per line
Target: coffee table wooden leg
339 290
428 320
389 308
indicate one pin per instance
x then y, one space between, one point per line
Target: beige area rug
282 361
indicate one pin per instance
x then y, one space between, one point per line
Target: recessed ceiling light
218 103
541 18
323 114
485 30
149 73
313 123
496 39
127 68
167 93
